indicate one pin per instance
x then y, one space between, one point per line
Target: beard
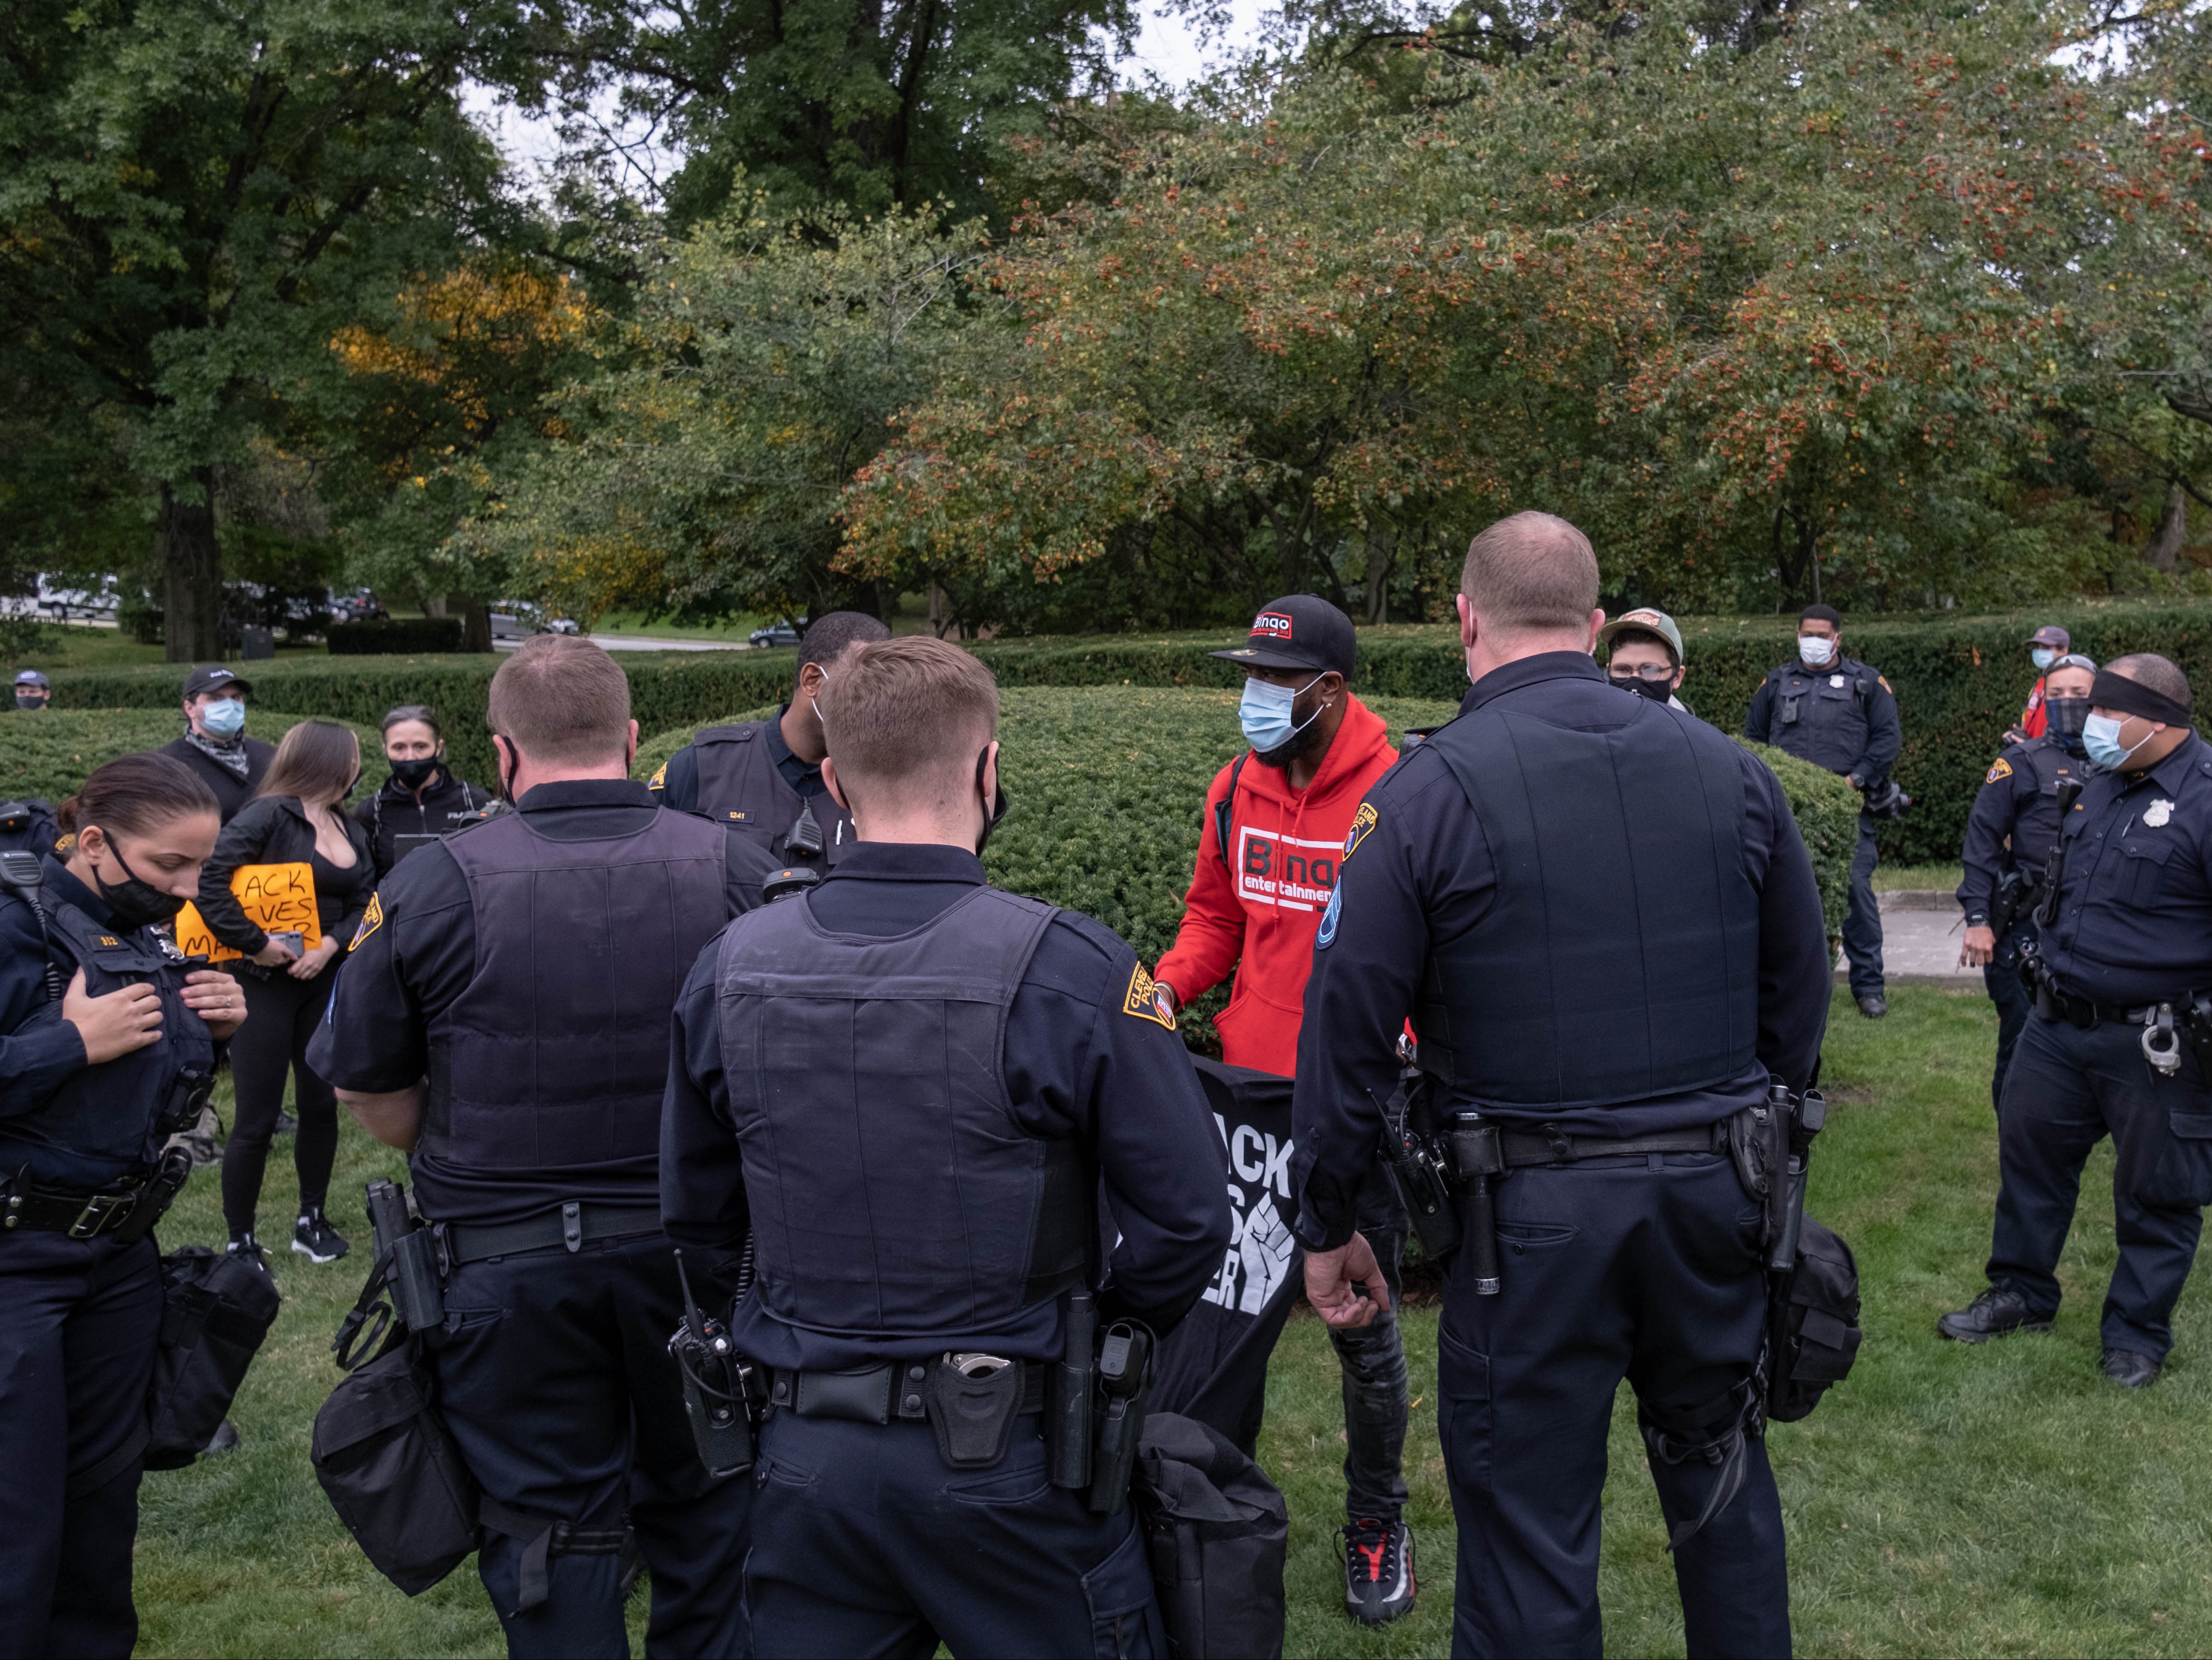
1301 744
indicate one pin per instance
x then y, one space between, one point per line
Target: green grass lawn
1945 1500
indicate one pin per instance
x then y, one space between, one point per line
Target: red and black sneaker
1378 1570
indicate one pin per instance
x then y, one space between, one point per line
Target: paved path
1921 933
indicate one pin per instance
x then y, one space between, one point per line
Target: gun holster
1418 1170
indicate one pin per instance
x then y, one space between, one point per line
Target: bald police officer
763 778
502 1015
2114 1046
1837 714
1598 914
907 1086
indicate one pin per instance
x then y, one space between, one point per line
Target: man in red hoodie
1273 837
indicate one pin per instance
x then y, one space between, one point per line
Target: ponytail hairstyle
136 795
420 712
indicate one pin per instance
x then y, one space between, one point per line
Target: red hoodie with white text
1257 911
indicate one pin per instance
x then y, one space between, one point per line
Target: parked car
780 634
360 605
62 603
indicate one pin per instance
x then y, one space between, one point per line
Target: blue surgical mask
1815 650
226 719
2043 657
2100 741
1266 714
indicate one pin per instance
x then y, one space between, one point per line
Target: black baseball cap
1299 631
212 677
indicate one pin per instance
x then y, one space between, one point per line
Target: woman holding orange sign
287 886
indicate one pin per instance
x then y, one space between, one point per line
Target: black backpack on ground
216 1310
1218 1532
1815 1333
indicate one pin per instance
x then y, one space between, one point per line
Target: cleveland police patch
371 920
659 778
1361 822
1139 1001
2003 769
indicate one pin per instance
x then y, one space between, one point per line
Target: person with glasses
2009 837
2044 648
1645 656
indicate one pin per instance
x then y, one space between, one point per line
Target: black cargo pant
79 1320
554 1378
2001 973
2067 1090
1647 1268
864 1541
1862 920
1373 1360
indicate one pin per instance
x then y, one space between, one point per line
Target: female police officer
107 1040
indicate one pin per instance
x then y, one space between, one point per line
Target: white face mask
2043 657
1816 651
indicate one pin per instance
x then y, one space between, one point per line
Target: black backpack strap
1225 808
91 1481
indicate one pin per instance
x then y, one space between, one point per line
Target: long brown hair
318 761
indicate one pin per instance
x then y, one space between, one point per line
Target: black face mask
23 702
1657 690
994 810
413 774
135 904
2063 716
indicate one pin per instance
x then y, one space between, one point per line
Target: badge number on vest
1285 871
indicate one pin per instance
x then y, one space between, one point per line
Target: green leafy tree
195 198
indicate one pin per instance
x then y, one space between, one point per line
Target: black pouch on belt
972 1401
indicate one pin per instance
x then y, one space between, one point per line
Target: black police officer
1840 714
1601 919
763 778
2009 837
502 1014
2124 952
906 1085
107 1041
424 799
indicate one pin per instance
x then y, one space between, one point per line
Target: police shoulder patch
1361 822
1139 1001
659 777
1884 685
371 919
2001 769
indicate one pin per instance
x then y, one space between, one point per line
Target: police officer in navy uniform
2008 838
1837 714
1599 914
502 1014
763 778
2123 956
907 1086
107 1043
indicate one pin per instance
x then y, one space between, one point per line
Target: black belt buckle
99 1210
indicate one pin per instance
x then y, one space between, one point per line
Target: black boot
1996 1311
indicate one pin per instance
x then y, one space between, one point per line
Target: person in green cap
1644 655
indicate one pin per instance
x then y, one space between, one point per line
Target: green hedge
48 754
394 636
1959 683
1107 785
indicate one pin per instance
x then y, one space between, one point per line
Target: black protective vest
1823 716
110 1121
2035 826
894 1194
555 1055
739 786
1619 959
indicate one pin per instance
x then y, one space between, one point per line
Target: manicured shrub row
394 636
48 754
1108 784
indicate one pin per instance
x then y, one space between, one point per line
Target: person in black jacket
298 818
214 745
108 1035
423 801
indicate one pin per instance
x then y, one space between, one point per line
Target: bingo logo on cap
1271 625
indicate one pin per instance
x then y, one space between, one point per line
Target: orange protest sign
275 898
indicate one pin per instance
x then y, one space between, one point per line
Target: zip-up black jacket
392 812
232 793
274 830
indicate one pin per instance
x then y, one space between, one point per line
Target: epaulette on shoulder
742 732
